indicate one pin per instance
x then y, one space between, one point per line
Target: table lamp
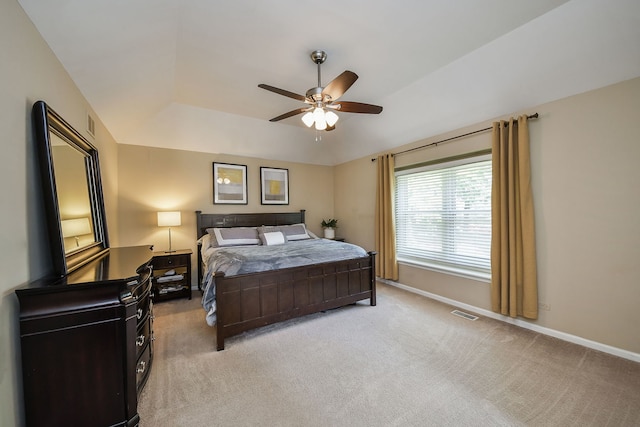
169 219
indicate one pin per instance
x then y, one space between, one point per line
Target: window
443 216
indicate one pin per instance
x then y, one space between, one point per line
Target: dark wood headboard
205 221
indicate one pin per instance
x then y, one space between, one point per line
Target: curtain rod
533 116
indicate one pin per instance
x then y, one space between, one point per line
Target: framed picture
274 186
229 184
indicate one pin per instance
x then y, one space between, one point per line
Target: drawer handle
139 314
140 368
140 340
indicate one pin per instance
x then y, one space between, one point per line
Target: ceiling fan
323 101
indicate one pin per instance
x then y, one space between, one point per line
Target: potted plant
329 226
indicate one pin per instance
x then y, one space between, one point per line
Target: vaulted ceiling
184 74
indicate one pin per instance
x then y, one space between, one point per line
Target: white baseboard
635 357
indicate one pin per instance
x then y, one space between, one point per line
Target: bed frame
249 301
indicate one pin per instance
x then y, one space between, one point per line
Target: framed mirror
72 189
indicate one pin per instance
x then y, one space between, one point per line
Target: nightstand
171 275
339 239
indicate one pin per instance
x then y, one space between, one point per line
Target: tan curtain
386 265
514 288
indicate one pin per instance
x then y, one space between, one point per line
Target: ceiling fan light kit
323 100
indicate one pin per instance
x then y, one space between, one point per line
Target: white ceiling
183 74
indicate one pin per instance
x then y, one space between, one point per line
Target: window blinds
443 215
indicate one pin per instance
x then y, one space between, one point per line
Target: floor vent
464 315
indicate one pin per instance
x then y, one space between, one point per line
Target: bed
242 301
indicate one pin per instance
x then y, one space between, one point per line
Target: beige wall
585 151
156 179
28 72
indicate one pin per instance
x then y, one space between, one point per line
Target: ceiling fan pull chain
318 136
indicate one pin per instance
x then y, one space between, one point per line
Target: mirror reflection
73 195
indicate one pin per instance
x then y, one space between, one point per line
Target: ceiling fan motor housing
315 94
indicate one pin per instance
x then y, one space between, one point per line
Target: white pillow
273 238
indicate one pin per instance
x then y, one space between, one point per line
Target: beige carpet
405 362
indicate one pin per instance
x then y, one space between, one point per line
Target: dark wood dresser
87 341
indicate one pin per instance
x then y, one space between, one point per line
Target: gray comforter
236 260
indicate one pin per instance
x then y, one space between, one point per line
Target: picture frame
229 184
274 186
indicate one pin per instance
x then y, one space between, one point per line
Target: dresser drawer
143 367
171 261
143 309
143 336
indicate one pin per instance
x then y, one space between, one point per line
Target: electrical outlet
544 306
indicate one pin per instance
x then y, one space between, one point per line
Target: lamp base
170 247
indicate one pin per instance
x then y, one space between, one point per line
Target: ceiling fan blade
282 92
329 128
338 86
290 114
358 107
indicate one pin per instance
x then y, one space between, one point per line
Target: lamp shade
75 227
169 219
318 116
331 117
308 119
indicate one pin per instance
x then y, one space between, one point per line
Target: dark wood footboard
250 301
